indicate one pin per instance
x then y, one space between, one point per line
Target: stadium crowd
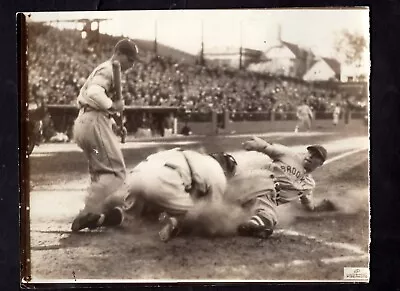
59 62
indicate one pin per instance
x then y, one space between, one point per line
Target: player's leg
96 205
264 218
166 192
112 217
296 129
105 160
257 195
106 153
335 119
307 123
94 135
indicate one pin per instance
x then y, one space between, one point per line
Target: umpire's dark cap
128 48
320 150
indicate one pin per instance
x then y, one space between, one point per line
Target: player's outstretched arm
274 151
325 205
255 144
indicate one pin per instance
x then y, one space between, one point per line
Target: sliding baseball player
287 178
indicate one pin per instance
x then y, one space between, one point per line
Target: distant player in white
336 114
305 116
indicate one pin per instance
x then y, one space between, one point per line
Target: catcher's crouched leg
170 227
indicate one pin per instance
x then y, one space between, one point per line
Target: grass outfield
55 168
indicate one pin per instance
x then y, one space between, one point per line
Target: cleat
89 220
162 218
170 228
128 204
253 230
114 217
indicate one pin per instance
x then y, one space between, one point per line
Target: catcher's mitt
227 162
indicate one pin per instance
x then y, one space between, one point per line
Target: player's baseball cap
320 150
128 48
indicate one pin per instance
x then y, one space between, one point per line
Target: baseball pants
255 192
93 134
304 123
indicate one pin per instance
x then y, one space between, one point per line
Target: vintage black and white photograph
197 145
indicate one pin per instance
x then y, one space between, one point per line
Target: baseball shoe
170 228
114 217
256 227
88 220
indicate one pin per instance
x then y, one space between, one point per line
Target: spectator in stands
160 81
186 130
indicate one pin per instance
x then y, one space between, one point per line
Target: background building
324 69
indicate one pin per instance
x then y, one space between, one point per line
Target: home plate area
306 246
287 255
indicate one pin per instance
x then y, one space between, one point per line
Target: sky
316 29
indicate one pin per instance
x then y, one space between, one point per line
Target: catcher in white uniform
170 182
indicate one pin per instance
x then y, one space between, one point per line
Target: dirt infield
305 246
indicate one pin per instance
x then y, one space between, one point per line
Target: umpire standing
94 135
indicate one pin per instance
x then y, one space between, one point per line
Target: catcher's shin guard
256 227
170 227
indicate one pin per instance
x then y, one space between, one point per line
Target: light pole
202 44
155 38
241 46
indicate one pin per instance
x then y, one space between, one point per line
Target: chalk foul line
349 247
341 156
343 259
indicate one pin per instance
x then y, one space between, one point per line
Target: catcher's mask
227 162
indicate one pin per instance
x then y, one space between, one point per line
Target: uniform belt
87 108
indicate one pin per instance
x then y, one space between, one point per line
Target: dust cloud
352 201
222 216
217 218
347 202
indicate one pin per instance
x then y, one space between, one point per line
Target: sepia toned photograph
196 146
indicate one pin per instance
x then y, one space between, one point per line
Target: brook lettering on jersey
291 170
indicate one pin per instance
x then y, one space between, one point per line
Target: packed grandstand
60 60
